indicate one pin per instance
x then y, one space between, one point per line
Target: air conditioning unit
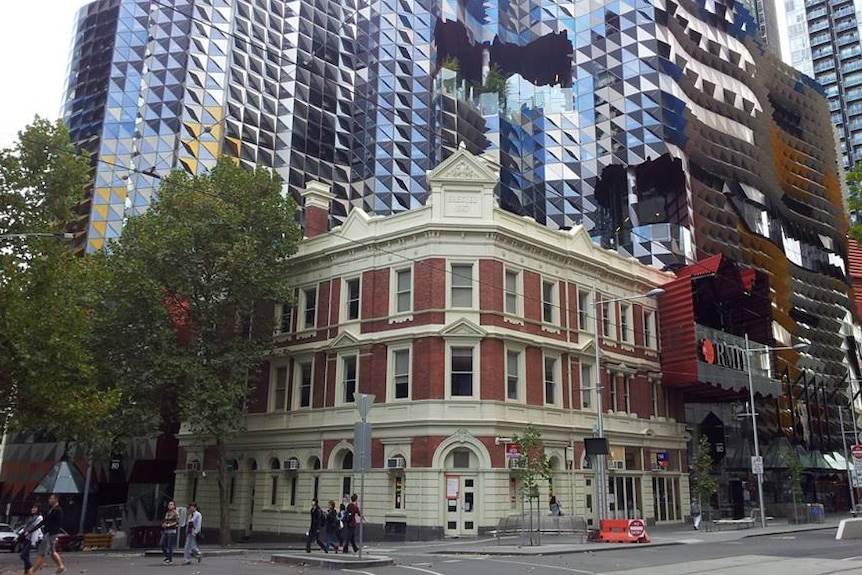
193 465
516 463
290 464
616 464
395 463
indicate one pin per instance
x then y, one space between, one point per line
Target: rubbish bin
815 513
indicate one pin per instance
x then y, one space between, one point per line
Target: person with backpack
342 523
353 512
317 520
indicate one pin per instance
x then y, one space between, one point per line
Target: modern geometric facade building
663 127
823 41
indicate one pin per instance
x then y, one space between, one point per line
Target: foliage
796 471
704 485
535 466
203 258
49 299
854 199
451 63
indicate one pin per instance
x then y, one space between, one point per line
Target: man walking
353 512
52 526
316 522
193 529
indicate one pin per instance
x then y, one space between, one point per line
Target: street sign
513 451
636 528
856 452
361 446
757 464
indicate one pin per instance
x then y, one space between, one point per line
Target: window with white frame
461 371
283 318
302 383
612 384
513 374
512 299
309 307
351 299
401 373
608 320
626 328
349 377
552 378
550 303
404 290
649 329
462 285
627 394
654 395
587 385
585 310
279 388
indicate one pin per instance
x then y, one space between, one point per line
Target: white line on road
856 558
358 571
540 565
420 569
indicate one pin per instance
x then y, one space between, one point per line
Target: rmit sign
719 353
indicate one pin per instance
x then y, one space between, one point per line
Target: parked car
8 537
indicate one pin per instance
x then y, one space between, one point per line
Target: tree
204 257
795 471
535 467
854 199
49 298
704 485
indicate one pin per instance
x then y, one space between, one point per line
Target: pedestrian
31 536
193 530
342 522
353 511
51 525
170 527
331 525
317 520
556 510
696 515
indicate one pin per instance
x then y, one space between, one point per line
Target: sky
35 39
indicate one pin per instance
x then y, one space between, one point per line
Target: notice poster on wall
453 483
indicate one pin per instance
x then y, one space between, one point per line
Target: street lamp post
759 470
601 464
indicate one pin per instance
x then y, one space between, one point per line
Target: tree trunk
224 511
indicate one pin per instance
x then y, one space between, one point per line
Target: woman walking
170 527
331 526
31 535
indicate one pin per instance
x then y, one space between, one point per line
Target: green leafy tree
854 199
795 472
704 485
204 257
535 469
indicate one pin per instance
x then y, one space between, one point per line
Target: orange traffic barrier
623 531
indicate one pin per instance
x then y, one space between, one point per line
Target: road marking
420 569
857 558
358 571
540 565
452 561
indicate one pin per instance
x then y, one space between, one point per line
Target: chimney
317 199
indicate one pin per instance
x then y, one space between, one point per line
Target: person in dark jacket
317 521
331 525
52 525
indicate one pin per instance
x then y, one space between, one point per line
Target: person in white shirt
31 535
193 529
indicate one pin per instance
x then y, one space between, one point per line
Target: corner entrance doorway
462 516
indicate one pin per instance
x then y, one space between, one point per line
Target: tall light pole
758 467
601 465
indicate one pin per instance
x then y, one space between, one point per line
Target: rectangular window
584 311
462 285
626 322
513 372
461 372
612 385
273 491
352 302
649 329
401 373
348 378
232 490
398 484
403 291
627 394
280 393
511 289
309 308
293 482
607 320
654 397
304 394
284 317
587 383
550 381
549 302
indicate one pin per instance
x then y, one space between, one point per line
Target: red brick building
467 323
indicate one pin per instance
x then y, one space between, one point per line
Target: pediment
343 340
356 224
462 166
463 328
